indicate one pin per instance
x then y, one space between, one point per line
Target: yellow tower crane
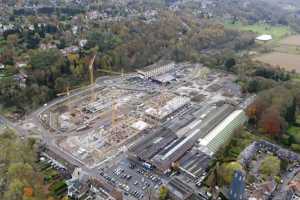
112 72
114 115
158 104
67 93
114 103
92 78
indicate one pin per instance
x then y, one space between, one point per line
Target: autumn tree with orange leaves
255 110
271 123
274 109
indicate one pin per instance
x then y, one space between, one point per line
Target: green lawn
277 32
294 129
294 133
298 117
237 144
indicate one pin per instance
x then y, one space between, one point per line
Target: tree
13 39
297 99
21 177
28 192
271 123
105 41
79 70
14 191
296 147
77 66
46 66
252 86
270 166
105 62
290 115
163 193
45 59
257 84
32 40
255 109
61 84
226 171
7 56
229 63
20 171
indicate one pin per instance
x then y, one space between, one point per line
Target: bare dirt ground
291 40
284 60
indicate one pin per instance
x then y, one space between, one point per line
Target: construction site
118 111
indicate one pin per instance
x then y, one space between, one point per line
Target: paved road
13 126
283 188
287 177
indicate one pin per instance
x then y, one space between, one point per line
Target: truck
147 166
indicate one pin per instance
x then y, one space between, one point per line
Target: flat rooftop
148 146
170 107
198 128
194 163
155 66
179 189
164 78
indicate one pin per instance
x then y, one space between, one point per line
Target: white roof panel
206 140
264 37
140 125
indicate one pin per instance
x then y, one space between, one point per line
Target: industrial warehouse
207 131
164 116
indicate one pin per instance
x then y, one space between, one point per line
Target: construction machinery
67 92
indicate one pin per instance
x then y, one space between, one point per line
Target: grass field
277 32
298 120
296 78
283 50
285 53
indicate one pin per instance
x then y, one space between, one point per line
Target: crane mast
92 78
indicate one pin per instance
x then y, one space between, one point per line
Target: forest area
18 169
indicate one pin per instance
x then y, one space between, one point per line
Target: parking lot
135 180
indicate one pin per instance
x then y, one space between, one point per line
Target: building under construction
160 73
169 119
168 109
